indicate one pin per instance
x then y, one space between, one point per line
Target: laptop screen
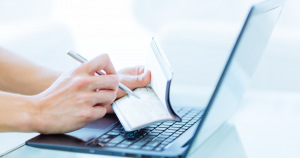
238 71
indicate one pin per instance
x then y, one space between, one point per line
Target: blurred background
196 36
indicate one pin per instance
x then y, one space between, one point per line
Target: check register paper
154 105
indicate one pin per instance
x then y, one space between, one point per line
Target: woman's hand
73 101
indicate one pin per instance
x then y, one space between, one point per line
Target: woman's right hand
73 101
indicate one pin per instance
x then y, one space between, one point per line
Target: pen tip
137 96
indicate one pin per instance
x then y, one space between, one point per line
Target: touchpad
96 128
104 122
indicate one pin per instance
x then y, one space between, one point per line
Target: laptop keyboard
153 137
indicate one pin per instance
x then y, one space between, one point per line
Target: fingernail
144 75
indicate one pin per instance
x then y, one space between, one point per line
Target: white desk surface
266 124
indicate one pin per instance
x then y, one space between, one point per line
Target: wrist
34 117
16 113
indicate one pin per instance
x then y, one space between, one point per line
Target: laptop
180 139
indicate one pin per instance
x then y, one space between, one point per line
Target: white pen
101 72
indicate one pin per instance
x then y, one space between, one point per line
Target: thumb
141 80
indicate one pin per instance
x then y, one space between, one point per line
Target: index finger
101 62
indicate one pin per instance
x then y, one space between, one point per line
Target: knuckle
80 81
102 111
115 80
111 97
105 56
87 114
85 99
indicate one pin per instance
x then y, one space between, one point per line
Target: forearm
19 75
16 113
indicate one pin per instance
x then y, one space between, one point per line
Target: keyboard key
113 133
190 123
185 128
167 123
161 146
135 147
156 131
105 140
153 144
118 139
179 123
165 143
149 137
141 136
187 117
199 115
173 137
176 135
158 149
170 131
162 136
140 143
176 126
128 142
161 128
154 134
122 145
166 134
110 144
192 114
146 139
164 126
168 141
159 139
104 136
181 130
147 148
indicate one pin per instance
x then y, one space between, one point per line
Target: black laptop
180 139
